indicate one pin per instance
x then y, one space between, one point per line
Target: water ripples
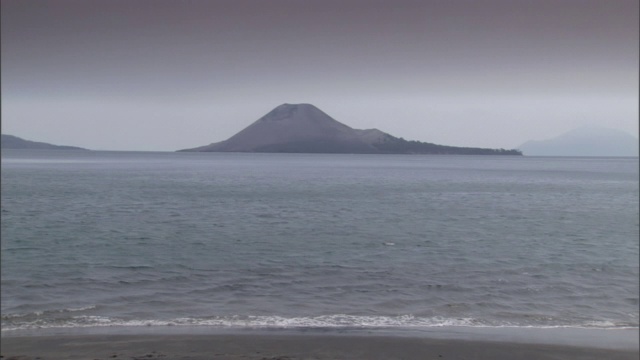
423 244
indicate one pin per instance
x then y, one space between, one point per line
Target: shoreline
607 338
288 345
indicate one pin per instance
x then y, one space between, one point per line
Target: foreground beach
289 346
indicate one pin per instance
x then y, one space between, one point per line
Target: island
303 128
585 141
14 142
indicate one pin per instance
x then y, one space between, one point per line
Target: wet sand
287 347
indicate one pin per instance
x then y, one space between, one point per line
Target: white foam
322 321
90 307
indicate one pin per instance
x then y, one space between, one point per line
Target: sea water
226 240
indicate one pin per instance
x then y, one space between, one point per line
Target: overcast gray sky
159 75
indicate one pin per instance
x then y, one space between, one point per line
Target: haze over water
163 75
116 238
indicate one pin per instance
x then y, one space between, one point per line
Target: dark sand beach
288 346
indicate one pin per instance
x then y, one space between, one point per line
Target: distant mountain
14 142
585 141
303 128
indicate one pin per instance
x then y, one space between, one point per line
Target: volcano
303 128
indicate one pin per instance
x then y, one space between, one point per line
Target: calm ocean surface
287 240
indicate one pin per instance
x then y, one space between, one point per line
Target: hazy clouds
166 75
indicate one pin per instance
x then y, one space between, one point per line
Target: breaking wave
35 321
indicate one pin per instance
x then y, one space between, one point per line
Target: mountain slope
293 128
14 142
585 141
303 128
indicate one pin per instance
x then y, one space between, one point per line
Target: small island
14 142
303 128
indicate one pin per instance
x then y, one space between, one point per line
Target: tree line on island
402 146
